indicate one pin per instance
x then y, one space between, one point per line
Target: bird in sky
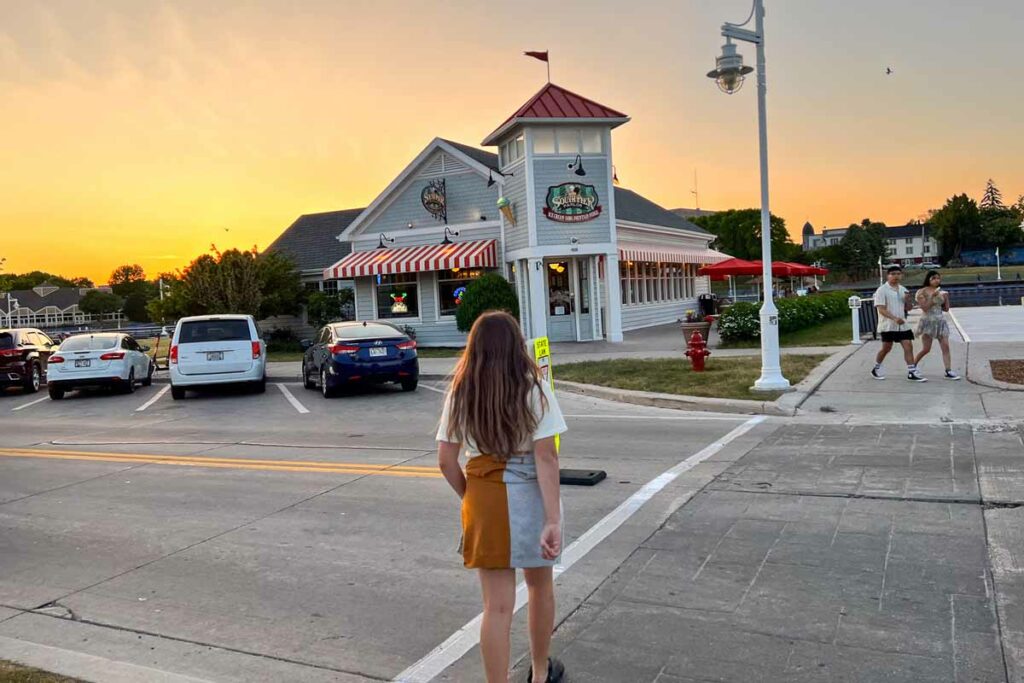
888 71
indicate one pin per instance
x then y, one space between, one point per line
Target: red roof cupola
555 104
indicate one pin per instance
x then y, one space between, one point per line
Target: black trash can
708 304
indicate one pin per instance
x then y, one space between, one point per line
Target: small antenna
696 195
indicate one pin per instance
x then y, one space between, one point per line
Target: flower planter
689 328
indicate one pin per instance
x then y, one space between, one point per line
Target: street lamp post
729 73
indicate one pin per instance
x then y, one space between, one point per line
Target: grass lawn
722 378
15 673
438 352
830 333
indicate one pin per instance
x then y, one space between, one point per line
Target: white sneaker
878 373
915 376
952 375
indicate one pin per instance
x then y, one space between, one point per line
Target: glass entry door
561 301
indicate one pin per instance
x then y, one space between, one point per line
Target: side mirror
306 343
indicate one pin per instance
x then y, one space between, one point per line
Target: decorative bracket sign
572 203
435 200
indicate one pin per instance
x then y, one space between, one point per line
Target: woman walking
505 419
934 302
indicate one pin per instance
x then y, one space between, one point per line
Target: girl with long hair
934 303
505 418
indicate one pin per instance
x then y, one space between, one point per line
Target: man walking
893 301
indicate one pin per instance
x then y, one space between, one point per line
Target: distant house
49 306
692 213
905 244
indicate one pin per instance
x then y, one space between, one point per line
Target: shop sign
542 355
435 200
572 203
398 304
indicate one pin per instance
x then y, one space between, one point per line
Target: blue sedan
350 353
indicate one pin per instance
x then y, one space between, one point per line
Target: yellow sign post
542 354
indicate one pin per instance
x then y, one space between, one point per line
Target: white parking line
959 327
463 640
30 403
427 386
291 399
154 399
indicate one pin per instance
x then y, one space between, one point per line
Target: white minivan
217 349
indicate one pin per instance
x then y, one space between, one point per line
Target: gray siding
518 236
404 239
364 299
548 171
649 315
468 199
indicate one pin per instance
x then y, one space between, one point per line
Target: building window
398 296
451 285
892 241
592 140
909 251
908 240
312 286
543 140
656 283
568 140
583 268
927 248
330 287
511 151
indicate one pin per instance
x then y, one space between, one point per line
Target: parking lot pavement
242 539
990 323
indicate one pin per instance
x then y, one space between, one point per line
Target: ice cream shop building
588 260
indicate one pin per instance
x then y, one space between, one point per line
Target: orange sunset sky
142 131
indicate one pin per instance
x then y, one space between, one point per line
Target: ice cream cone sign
506 210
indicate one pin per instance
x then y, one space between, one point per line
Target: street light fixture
729 74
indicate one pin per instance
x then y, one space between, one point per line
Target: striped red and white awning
660 254
478 254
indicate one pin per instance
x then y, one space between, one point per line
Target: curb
786 405
298 380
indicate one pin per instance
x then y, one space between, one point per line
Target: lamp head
729 72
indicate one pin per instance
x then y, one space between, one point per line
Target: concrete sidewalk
826 553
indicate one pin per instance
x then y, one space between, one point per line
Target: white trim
424 232
662 230
527 121
407 175
531 199
564 250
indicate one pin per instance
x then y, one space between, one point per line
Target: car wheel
56 392
410 384
177 393
326 389
307 382
260 387
129 387
34 379
149 375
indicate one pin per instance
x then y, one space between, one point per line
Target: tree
322 307
126 275
261 285
38 277
862 246
83 282
99 303
956 225
129 282
992 198
489 292
738 233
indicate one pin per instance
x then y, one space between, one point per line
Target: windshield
214 331
6 341
90 342
369 331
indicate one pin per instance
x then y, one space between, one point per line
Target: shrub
742 320
282 339
489 292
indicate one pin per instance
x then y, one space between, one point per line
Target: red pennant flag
542 56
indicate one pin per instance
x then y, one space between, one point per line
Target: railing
868 315
978 294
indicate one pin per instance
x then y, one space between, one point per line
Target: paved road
990 323
237 537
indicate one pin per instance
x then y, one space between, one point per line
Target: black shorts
902 335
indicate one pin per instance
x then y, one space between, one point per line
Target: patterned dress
933 322
502 510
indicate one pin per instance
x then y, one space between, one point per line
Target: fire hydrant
696 351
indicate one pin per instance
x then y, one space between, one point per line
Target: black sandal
556 672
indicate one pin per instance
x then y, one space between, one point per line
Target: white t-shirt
549 422
894 301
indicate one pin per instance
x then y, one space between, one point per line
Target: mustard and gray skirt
502 514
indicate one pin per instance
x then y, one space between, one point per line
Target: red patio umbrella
734 266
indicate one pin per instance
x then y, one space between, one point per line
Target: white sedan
109 359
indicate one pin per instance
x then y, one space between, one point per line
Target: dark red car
23 356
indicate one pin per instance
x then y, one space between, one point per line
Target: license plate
214 355
83 363
378 352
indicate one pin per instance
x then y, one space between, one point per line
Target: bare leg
541 584
908 351
883 352
499 591
926 346
946 358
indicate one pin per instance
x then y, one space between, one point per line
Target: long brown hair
491 397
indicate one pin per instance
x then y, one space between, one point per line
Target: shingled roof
629 206
312 240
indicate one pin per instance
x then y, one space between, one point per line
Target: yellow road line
225 463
